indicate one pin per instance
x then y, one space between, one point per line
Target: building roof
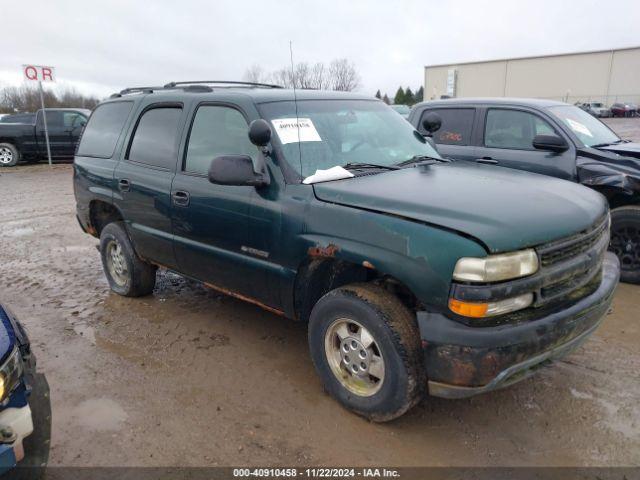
530 57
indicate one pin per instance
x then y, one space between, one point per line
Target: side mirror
236 170
260 132
552 143
431 122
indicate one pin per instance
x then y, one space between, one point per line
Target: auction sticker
292 130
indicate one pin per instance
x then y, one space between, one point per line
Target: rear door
143 178
454 139
507 136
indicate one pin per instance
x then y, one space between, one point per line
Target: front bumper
463 360
18 423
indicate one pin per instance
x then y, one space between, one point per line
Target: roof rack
222 82
194 86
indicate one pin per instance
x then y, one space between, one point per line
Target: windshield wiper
606 144
421 159
358 165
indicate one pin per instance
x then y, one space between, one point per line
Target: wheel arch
101 214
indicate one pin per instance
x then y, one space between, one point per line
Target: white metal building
607 76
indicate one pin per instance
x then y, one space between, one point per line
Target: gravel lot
190 377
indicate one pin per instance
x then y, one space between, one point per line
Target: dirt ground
189 377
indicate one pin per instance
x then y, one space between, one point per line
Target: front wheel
127 274
9 155
625 241
366 348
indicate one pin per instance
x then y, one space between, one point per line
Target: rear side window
457 124
155 139
103 130
216 131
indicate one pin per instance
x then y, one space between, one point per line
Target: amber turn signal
467 309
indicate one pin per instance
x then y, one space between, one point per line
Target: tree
408 97
27 99
254 74
378 95
419 95
385 99
343 75
400 97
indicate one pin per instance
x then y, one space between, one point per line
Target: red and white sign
38 73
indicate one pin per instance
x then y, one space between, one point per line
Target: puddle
100 414
20 232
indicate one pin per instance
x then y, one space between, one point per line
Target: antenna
295 102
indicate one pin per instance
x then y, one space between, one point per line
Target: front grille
562 250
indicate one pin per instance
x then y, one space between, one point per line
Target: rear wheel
366 348
625 241
127 274
9 155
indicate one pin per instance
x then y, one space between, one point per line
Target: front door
507 141
211 222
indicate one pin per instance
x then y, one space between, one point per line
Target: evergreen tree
378 95
419 95
400 97
408 97
385 99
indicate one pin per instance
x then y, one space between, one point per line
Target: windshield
340 132
586 127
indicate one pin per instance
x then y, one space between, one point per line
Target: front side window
155 141
72 119
330 133
590 130
457 124
103 130
216 131
514 129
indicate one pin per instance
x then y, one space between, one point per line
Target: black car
23 137
550 138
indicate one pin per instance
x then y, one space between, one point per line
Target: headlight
495 268
10 373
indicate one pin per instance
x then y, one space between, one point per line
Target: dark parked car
551 138
597 109
624 110
27 140
412 272
17 368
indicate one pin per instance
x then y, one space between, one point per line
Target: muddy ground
191 377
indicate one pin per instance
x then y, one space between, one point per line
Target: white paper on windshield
333 173
578 127
292 130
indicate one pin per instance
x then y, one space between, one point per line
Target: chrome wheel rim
116 263
354 357
6 155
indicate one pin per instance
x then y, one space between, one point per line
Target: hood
505 209
628 149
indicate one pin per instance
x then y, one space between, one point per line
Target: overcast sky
99 47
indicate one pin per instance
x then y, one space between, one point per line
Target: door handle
180 198
124 185
487 160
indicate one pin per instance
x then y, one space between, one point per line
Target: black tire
625 241
9 155
128 275
395 332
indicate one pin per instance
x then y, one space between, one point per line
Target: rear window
457 124
103 130
155 139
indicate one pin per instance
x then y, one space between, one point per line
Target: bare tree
27 99
340 75
255 74
343 75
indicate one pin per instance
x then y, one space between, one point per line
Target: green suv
415 274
